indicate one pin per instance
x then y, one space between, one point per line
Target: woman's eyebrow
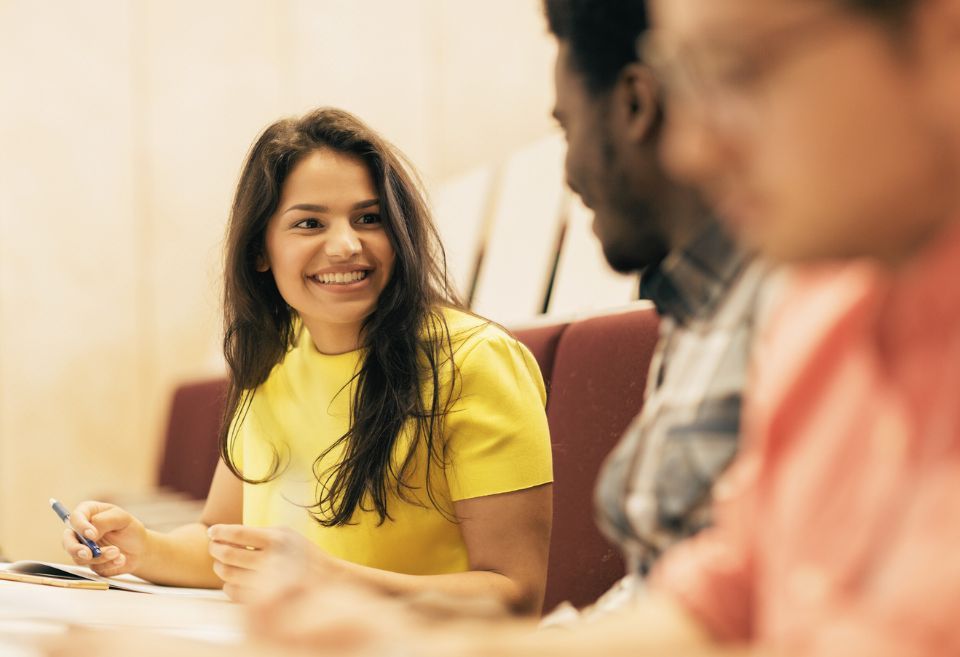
312 207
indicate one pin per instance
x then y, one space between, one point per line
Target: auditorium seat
542 342
190 448
188 458
598 379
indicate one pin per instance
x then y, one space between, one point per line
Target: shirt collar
688 283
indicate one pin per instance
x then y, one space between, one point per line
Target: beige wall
122 128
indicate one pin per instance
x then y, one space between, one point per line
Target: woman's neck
332 338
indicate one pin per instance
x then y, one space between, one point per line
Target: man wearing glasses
655 488
829 131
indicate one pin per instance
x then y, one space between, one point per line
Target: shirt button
809 584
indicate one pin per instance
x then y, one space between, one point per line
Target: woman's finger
82 554
108 519
80 518
255 537
77 550
234 575
233 555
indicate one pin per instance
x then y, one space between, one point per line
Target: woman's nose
342 242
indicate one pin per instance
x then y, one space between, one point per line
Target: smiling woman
387 435
329 252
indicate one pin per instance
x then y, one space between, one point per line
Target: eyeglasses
727 76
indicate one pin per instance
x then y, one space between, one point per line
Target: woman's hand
253 562
121 537
338 618
351 618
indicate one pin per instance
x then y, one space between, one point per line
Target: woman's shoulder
480 345
466 331
486 359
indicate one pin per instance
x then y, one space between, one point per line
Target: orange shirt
838 528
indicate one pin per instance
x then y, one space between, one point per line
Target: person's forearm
179 558
653 627
470 585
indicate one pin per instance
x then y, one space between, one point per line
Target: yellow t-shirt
495 440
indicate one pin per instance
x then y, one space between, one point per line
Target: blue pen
65 517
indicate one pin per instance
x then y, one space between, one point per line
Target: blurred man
656 487
830 130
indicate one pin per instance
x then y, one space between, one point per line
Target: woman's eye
309 224
369 219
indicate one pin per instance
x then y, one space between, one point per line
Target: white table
28 611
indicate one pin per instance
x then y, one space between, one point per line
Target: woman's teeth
340 278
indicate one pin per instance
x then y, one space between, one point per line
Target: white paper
123 582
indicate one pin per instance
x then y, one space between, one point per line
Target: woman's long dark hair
406 339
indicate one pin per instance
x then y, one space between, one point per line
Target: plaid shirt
655 487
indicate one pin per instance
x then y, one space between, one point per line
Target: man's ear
638 93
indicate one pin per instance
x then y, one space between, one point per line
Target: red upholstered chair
542 342
190 449
188 460
598 378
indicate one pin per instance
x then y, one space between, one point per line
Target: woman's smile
340 281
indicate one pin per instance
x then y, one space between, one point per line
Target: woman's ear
263 264
638 91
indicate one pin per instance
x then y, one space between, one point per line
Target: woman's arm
187 547
507 537
508 544
176 558
359 623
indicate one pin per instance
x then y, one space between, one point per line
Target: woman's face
326 245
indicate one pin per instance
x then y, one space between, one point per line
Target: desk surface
31 610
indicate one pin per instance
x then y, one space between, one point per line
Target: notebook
81 577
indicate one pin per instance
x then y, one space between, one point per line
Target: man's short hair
601 34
